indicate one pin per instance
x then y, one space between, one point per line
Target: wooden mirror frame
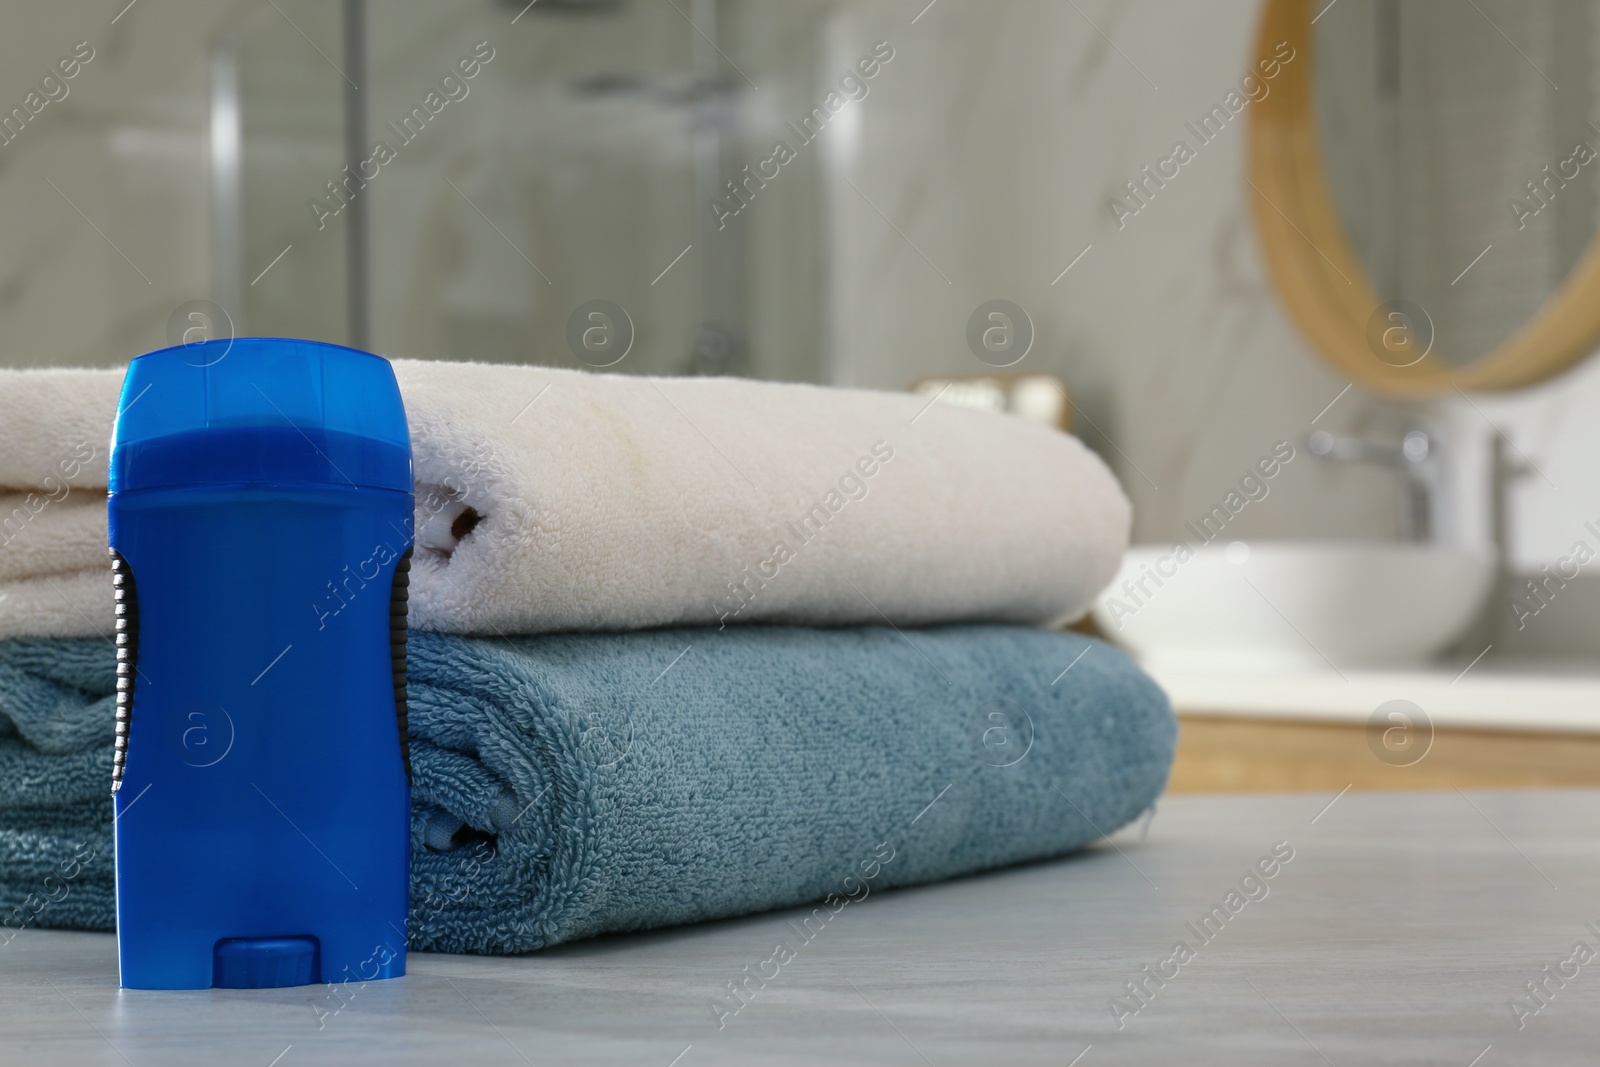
1318 275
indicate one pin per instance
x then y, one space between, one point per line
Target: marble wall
994 146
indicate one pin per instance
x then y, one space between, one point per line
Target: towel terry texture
573 785
554 500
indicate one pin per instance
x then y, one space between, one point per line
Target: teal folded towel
579 784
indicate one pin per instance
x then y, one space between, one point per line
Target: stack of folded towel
600 740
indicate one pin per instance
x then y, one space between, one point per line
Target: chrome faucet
1416 460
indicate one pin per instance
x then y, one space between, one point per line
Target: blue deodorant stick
261 532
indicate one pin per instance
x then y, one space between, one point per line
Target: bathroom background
980 164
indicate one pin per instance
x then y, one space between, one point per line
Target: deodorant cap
260 410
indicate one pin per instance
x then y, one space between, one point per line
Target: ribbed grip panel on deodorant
127 609
399 596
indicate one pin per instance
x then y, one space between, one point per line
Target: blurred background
214 167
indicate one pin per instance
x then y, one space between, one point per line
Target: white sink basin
1295 604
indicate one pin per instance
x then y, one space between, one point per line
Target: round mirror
1424 183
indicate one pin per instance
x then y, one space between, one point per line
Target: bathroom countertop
1543 697
1398 933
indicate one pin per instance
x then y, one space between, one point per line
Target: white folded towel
55 432
555 500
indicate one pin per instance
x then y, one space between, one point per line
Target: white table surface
1396 935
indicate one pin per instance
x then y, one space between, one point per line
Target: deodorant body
260 529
